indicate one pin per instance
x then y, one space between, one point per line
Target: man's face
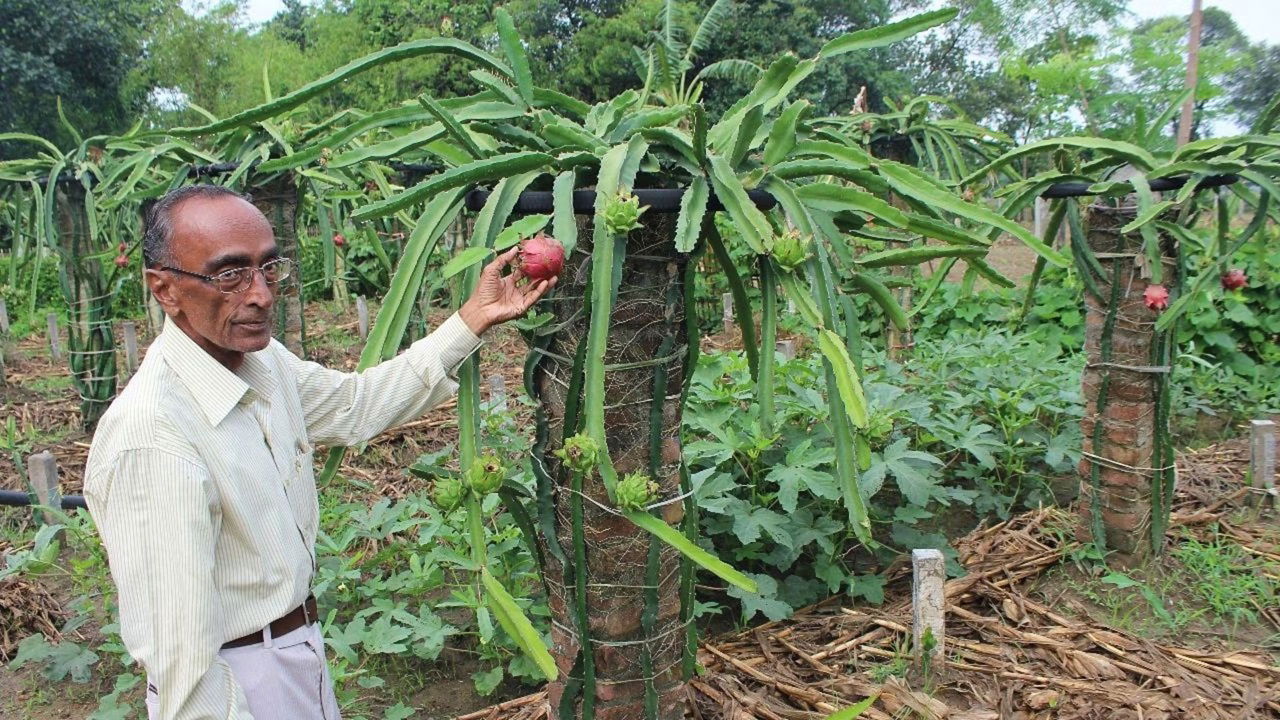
210 236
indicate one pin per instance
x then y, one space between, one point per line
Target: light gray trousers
283 678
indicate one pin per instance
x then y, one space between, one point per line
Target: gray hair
158 229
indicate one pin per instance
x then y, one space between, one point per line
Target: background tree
79 51
762 31
1255 82
1155 57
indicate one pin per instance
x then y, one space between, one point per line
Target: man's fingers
538 290
542 288
495 267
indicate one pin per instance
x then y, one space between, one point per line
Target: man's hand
498 298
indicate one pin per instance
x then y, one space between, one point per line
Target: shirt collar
215 388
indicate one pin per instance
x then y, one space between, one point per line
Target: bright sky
1256 17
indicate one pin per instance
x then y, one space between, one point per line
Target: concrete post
42 468
727 301
4 318
1262 460
787 348
362 317
1041 213
497 388
52 322
130 332
928 604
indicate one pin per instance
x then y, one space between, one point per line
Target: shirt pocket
302 492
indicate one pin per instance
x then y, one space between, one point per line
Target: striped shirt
200 482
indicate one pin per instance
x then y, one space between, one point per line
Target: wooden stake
1262 460
52 321
928 604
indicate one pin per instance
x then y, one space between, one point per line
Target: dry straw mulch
1008 654
26 608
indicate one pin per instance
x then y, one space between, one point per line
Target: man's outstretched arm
349 408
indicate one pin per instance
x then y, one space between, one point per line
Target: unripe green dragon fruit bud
580 453
486 474
448 494
622 213
636 491
790 249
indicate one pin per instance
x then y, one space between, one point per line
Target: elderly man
200 478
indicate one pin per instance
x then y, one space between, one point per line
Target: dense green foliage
1025 68
78 52
955 431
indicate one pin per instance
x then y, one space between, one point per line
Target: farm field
1034 625
882 360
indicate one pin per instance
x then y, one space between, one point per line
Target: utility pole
1193 70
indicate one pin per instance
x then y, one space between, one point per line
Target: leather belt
304 614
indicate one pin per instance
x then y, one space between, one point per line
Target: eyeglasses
237 280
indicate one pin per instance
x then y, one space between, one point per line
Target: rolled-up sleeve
349 408
157 514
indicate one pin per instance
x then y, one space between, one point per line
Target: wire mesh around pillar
639 599
1127 473
91 342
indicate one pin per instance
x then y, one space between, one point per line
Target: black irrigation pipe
663 200
197 171
660 200
18 498
210 170
1080 189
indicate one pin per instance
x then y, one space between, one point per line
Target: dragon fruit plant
1139 252
629 189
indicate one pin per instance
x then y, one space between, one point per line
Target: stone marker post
497 386
787 348
4 332
130 332
1262 460
55 350
42 468
928 604
362 317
